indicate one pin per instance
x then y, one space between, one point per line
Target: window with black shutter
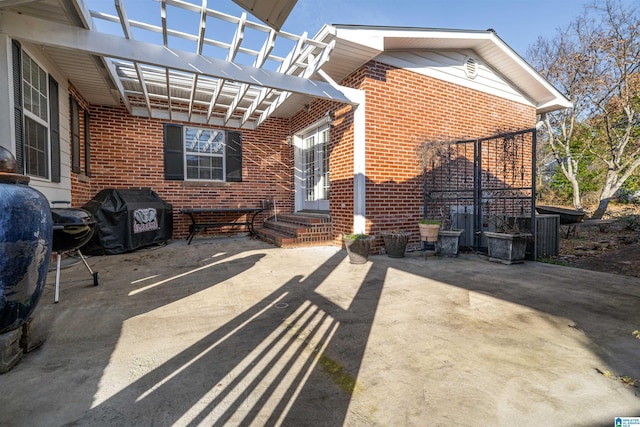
75 135
233 155
36 117
173 158
202 154
54 129
87 144
17 104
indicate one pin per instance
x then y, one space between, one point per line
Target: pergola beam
126 29
106 45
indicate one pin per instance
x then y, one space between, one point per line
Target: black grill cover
127 220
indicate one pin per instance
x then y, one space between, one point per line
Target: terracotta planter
507 248
448 243
395 244
358 249
429 232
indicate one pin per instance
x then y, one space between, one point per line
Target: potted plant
429 230
508 244
395 242
357 246
448 243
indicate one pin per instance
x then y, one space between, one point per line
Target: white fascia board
559 98
382 38
368 38
48 33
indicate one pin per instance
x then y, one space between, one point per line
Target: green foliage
430 221
590 172
554 261
357 236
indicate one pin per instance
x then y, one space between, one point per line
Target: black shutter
87 144
17 104
54 129
233 156
75 136
173 149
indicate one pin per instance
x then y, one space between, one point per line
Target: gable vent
471 67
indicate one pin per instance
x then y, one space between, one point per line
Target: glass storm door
315 170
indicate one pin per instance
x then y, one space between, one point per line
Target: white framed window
36 118
204 154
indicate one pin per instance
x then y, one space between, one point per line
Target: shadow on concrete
229 366
291 357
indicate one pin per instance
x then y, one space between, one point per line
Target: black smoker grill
72 228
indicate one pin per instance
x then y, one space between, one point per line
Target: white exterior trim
359 160
449 66
297 159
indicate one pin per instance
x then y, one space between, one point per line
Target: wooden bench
248 213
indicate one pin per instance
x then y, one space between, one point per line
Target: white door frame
319 195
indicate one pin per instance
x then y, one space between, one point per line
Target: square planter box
507 248
448 243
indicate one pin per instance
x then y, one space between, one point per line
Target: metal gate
482 185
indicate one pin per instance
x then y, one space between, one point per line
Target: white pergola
191 74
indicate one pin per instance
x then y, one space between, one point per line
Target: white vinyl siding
450 66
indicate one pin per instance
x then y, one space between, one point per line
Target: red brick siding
128 152
404 108
80 185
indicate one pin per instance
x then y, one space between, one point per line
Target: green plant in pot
357 246
429 230
395 242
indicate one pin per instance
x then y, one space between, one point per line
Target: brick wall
80 182
127 152
405 109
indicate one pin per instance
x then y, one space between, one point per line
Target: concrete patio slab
237 332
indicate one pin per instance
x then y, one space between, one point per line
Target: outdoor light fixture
330 117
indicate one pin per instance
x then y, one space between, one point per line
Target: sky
518 23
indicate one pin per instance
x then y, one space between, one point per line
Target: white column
359 167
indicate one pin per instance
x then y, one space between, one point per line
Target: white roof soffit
218 83
273 12
495 52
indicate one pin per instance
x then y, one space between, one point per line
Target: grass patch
339 375
554 261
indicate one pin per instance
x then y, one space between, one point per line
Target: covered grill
128 219
72 228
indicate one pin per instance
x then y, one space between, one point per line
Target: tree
596 63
